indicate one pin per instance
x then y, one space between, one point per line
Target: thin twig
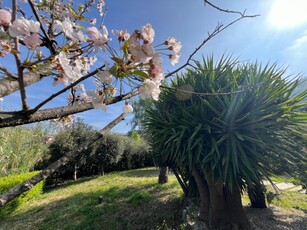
7 72
218 29
65 89
23 96
49 41
230 11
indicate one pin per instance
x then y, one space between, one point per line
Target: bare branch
10 119
7 72
8 86
218 29
27 185
22 90
49 42
229 11
65 89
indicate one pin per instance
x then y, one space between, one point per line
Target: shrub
8 182
21 148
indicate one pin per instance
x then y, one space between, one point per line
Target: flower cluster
78 95
174 45
137 64
27 30
71 69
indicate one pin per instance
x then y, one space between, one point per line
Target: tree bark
9 86
226 210
9 119
203 189
257 196
163 177
27 185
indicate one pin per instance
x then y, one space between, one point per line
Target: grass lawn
131 200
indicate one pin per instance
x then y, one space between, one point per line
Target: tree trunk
226 210
27 185
163 177
182 184
204 212
20 118
75 172
101 170
257 196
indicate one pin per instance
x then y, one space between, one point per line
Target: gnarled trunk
226 210
203 189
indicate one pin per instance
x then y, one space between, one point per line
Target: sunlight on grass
130 199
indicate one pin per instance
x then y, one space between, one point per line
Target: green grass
287 179
131 200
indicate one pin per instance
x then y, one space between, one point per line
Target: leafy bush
108 151
137 154
21 148
8 182
65 141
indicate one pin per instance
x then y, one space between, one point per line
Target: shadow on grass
275 218
145 172
127 207
66 184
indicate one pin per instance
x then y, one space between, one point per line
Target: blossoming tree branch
59 40
135 63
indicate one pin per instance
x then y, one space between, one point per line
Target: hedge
8 182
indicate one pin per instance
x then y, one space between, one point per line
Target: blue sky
279 35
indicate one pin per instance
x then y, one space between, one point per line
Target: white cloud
295 54
300 43
286 14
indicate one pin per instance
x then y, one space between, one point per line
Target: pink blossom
93 21
5 46
19 28
23 27
149 89
141 52
100 5
81 86
174 58
122 35
60 79
33 41
68 28
99 39
105 76
5 18
127 108
174 45
69 72
156 72
147 33
97 100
